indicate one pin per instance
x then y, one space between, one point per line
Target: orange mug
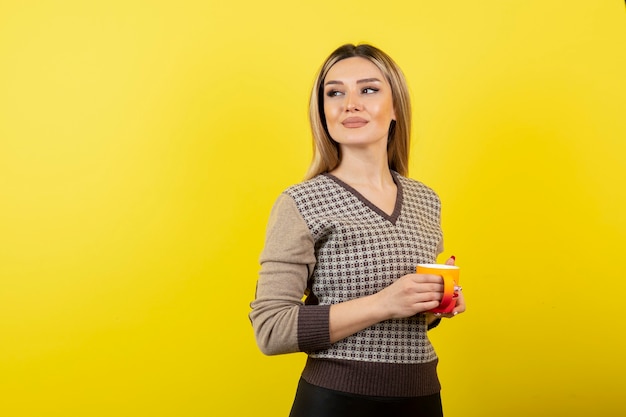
450 275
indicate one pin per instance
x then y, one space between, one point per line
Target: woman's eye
333 93
369 90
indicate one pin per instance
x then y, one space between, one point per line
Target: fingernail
455 313
453 257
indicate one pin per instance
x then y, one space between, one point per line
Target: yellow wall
143 143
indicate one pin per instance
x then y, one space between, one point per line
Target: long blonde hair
326 155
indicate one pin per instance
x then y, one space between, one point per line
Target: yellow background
142 145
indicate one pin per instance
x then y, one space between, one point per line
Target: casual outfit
326 241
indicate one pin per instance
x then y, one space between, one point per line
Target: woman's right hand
410 295
406 297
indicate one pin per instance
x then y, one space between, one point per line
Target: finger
460 303
453 314
457 290
427 278
427 293
458 308
427 305
451 260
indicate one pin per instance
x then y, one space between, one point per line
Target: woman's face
358 103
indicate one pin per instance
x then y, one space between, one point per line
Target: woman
348 239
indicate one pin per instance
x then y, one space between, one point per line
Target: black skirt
314 401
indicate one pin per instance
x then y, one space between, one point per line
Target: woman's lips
354 122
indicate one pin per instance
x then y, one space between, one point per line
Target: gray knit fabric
360 250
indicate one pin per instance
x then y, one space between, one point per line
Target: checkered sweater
326 240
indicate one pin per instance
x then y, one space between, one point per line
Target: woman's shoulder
413 185
314 185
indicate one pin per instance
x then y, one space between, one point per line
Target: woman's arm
281 321
410 295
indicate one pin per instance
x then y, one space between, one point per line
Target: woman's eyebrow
368 80
364 80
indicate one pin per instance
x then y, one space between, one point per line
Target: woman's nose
353 102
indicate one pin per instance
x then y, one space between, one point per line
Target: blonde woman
347 240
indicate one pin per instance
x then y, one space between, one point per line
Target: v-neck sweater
328 242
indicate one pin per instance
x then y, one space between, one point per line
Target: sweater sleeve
281 321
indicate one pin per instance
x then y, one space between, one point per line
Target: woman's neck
364 170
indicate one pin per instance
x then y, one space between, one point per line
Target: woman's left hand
460 299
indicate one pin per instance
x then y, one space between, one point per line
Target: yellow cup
450 275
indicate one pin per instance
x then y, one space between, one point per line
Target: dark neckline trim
393 218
